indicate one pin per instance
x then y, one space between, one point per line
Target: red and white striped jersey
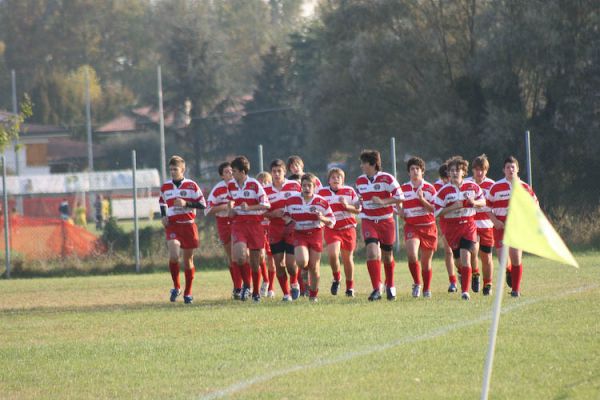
382 185
277 197
343 218
217 197
188 190
482 219
414 212
252 193
438 185
304 213
450 194
499 197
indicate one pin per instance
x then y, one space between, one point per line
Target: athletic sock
487 282
271 279
246 272
283 282
236 275
516 275
374 267
174 268
337 276
313 293
256 282
465 279
294 278
263 271
452 279
189 277
389 273
349 284
427 274
301 280
415 271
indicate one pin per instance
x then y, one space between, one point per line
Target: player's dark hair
443 171
241 163
309 177
415 161
511 160
278 163
459 162
295 160
372 157
481 162
222 167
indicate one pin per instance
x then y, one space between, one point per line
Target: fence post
396 220
528 154
260 158
135 215
6 223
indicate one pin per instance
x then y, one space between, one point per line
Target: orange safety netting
49 238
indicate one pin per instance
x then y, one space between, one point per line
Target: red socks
415 271
349 285
174 268
189 277
263 271
271 280
389 273
374 267
516 274
283 282
452 279
256 282
313 293
294 278
465 279
236 275
427 274
337 276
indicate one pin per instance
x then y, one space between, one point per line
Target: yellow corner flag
528 229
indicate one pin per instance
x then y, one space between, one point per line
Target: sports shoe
270 294
237 294
416 290
452 288
305 293
188 299
514 293
427 294
286 298
390 293
175 293
508 278
350 293
465 296
375 295
487 290
256 298
245 293
335 286
264 287
313 299
295 291
475 283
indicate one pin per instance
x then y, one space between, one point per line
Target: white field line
441 331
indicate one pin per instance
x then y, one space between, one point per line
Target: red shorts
346 237
267 246
486 236
382 230
252 233
186 234
224 230
498 237
281 233
457 231
427 234
443 226
312 239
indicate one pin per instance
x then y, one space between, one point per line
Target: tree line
442 77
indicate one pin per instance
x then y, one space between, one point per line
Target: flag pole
489 360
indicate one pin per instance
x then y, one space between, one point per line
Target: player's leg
314 261
450 268
475 278
387 257
374 267
412 253
465 253
333 252
190 272
427 270
240 258
256 255
173 247
348 262
516 260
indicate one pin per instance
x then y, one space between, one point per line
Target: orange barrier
49 238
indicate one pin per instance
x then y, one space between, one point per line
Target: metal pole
489 360
528 151
260 158
396 220
88 118
161 116
135 215
6 224
15 108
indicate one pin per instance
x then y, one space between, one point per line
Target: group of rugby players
274 226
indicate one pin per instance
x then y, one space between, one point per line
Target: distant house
139 119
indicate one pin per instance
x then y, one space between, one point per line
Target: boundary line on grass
236 387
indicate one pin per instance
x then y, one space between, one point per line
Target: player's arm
426 204
215 209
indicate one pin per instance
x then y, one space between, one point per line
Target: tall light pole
161 118
88 118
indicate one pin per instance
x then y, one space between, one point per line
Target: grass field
119 337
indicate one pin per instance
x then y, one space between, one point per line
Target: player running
456 201
499 197
179 199
342 237
420 231
448 257
379 192
267 265
309 212
248 202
